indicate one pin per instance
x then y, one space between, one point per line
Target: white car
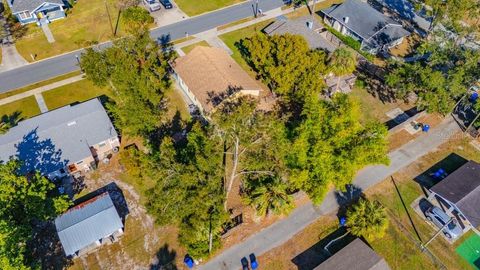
153 5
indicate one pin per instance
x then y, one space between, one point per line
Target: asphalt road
52 67
279 232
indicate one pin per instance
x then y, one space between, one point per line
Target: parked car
440 218
152 5
167 4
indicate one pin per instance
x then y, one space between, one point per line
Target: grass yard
192 8
74 92
189 48
176 104
86 23
27 107
386 193
373 108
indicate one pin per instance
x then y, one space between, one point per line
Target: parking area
165 16
421 205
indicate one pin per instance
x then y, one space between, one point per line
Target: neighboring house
460 190
357 19
37 11
357 255
64 141
89 225
209 76
313 32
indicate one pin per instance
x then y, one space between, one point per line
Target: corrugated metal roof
56 138
86 223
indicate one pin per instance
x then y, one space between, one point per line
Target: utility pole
109 18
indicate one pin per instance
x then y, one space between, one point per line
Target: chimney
346 19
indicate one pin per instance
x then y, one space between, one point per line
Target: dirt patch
144 244
281 257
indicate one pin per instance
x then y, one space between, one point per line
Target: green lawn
27 107
70 93
372 107
86 23
189 48
192 8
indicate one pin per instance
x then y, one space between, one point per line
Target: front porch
49 13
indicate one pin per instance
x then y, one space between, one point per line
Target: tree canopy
326 142
438 81
24 202
367 219
136 69
286 64
188 190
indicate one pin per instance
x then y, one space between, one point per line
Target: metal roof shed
88 223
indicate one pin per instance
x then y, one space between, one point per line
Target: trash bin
426 128
188 261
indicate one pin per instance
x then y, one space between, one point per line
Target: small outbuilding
89 225
357 255
460 191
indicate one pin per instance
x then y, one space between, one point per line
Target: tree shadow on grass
165 259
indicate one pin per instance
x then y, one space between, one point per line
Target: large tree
136 69
330 145
243 131
286 64
25 201
440 80
189 189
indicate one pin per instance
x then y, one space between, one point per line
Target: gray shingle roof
88 222
462 188
355 256
30 5
52 140
299 27
363 19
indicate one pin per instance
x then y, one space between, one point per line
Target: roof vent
72 123
346 19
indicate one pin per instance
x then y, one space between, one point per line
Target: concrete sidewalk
41 89
281 231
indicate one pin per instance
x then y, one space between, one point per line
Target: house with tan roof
209 76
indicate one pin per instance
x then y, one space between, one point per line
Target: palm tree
342 61
368 219
270 196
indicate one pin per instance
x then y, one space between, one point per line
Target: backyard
192 8
87 23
